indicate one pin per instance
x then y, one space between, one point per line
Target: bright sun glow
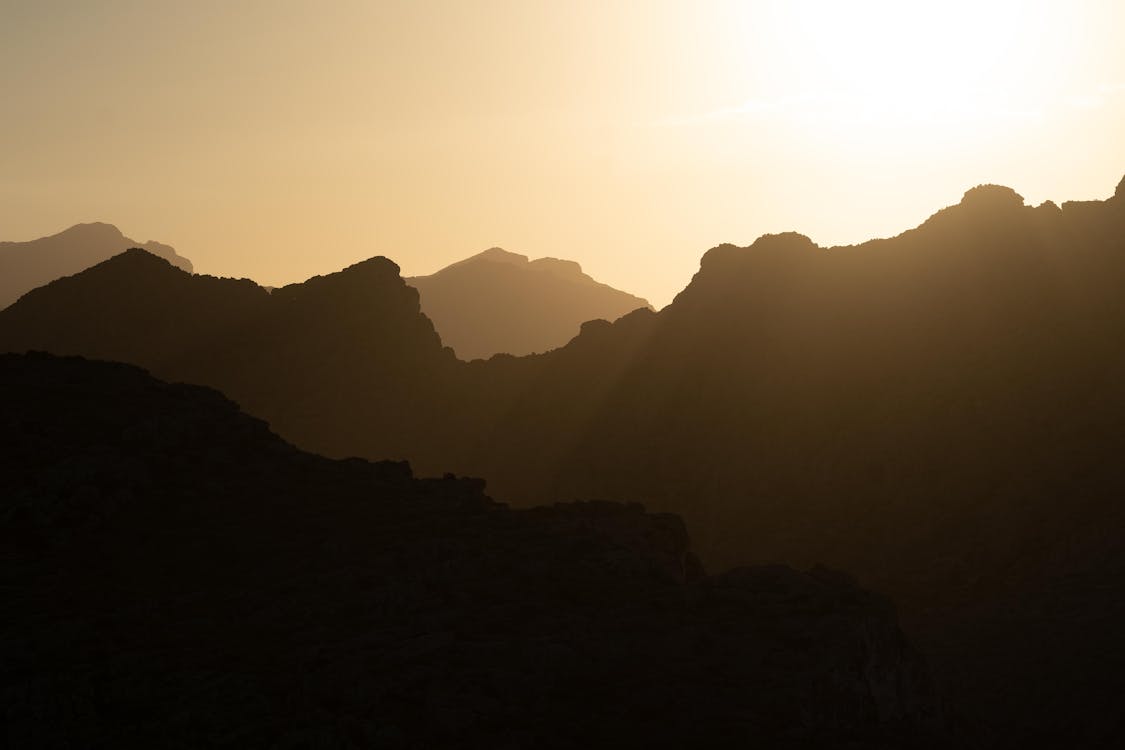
896 61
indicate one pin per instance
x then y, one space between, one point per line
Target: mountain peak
785 242
991 197
378 264
499 302
499 254
791 241
25 266
138 257
93 229
357 279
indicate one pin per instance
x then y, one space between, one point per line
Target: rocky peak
991 198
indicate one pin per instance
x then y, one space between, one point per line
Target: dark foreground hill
500 302
175 575
27 265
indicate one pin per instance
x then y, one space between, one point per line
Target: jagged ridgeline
176 575
939 412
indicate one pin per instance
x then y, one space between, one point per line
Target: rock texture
499 302
177 576
27 265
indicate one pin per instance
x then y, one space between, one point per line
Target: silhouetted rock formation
500 302
312 358
174 574
940 413
26 265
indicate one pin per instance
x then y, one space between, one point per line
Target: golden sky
281 139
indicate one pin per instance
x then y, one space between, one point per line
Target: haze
284 139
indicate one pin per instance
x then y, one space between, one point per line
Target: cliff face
27 265
498 302
173 569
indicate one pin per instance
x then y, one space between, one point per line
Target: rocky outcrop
27 265
176 574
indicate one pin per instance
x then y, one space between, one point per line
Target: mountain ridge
939 413
27 265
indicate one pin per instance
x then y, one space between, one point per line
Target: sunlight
893 62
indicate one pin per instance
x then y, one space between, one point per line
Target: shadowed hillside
176 575
26 265
939 412
499 302
332 363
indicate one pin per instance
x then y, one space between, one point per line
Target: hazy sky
282 139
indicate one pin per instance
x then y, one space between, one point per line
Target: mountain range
27 265
498 302
939 413
177 575
495 302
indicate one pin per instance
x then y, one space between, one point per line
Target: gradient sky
278 140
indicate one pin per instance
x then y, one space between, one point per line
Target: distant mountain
175 573
500 302
26 265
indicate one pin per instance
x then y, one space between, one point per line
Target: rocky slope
498 302
176 575
27 265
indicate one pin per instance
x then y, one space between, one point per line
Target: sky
284 139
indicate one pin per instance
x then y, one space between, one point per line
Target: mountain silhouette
347 347
26 265
177 574
500 302
939 413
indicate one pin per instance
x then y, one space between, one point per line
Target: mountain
939 413
174 573
349 347
26 265
500 302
